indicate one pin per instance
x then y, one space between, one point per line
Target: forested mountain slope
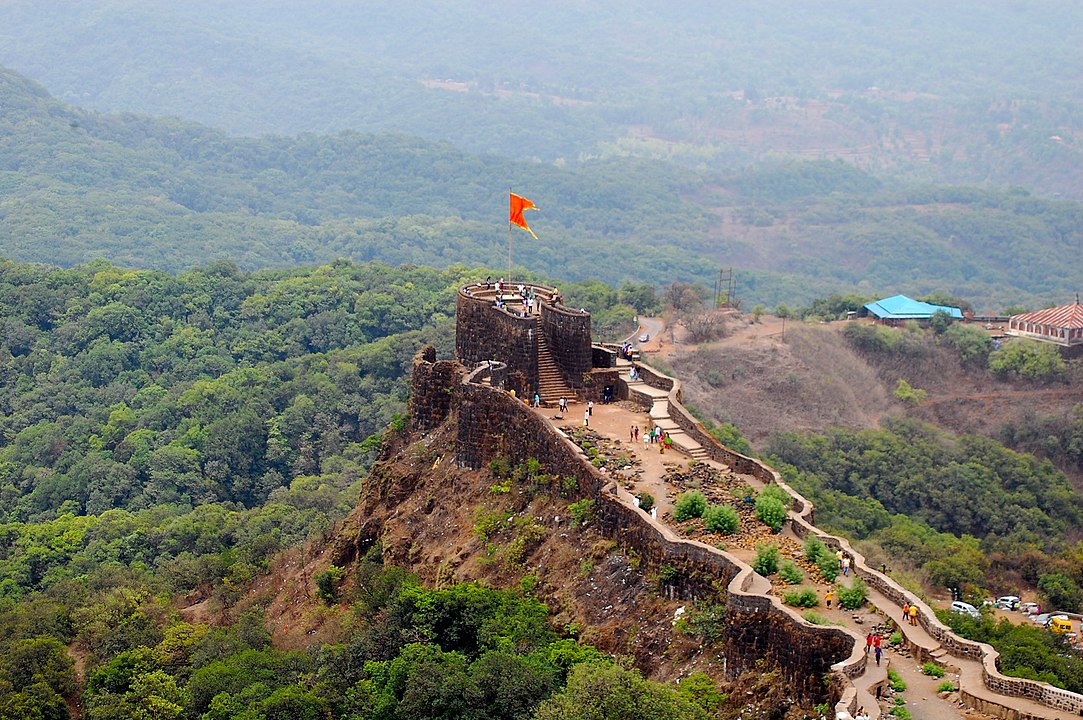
76 185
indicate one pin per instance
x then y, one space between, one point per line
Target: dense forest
165 436
163 194
964 92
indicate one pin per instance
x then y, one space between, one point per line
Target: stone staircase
551 385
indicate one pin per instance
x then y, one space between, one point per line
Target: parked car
1029 608
1060 625
964 608
1041 619
645 337
1008 602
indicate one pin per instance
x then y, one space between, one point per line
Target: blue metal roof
900 307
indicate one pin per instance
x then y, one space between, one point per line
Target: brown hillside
422 510
811 378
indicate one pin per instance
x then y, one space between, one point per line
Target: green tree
610 692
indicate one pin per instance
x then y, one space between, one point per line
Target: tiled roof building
1061 325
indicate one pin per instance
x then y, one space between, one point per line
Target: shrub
690 505
817 552
896 638
815 548
771 512
946 686
897 683
582 511
854 596
646 501
932 670
667 573
776 491
327 583
815 618
789 572
766 562
1028 359
900 713
804 597
721 519
828 567
908 394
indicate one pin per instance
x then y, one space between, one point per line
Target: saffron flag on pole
515 217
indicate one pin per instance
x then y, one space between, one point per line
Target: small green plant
721 519
327 583
854 596
946 686
690 505
932 670
706 620
582 511
701 689
789 572
896 638
909 395
804 597
901 713
489 523
646 501
744 492
815 618
766 562
500 467
667 573
501 488
897 683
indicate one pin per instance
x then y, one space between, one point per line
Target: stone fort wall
482 332
491 423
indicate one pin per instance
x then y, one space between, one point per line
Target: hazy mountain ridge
959 93
168 194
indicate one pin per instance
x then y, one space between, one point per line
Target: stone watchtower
546 350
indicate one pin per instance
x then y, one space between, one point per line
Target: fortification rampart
491 423
497 326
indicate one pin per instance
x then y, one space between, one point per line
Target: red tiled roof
1065 316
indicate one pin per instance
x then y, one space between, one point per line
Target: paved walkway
615 421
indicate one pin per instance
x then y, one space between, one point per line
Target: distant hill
971 92
166 194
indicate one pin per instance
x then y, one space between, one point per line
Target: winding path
616 421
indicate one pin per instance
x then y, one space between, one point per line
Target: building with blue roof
900 308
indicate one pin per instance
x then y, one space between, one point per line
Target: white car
1029 608
964 608
645 337
1008 602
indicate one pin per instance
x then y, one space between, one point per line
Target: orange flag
518 205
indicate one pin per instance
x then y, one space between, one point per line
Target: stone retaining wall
491 423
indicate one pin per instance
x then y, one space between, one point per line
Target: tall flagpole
509 236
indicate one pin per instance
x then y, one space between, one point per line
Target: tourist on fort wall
563 404
868 643
586 418
846 567
537 400
590 408
906 610
913 614
878 652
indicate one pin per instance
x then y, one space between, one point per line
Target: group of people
626 351
910 613
861 714
873 642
